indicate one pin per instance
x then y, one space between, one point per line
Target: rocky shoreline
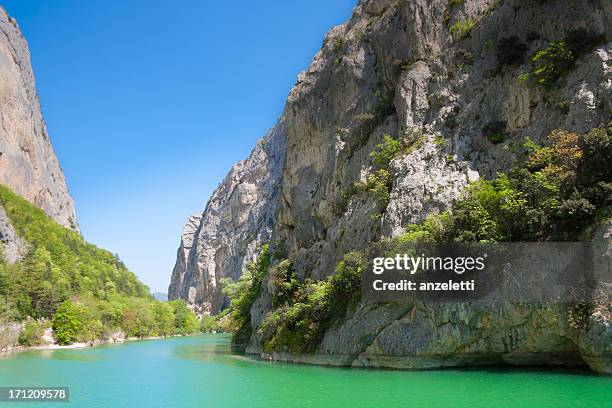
80 345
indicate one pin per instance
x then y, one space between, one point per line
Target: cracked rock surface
397 68
28 165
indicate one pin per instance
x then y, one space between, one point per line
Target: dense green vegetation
32 333
242 295
89 320
552 63
219 323
87 292
303 310
463 29
554 194
59 264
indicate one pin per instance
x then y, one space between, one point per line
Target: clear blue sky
149 103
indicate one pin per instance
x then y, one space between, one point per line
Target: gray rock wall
28 165
227 235
407 48
13 247
444 91
9 335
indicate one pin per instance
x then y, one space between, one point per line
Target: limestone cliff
28 165
237 220
430 72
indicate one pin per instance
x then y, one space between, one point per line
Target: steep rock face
179 278
399 68
450 93
237 220
448 89
442 87
28 165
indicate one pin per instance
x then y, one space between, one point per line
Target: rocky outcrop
596 343
13 247
237 220
9 335
28 165
429 73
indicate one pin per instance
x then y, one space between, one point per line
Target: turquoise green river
200 371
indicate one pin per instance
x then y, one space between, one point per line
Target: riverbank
81 345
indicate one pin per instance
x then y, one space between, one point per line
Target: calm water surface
200 371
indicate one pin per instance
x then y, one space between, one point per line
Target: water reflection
80 355
214 349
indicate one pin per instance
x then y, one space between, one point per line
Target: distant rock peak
237 220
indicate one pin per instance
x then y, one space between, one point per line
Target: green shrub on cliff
386 151
346 284
380 182
462 30
302 310
283 282
556 60
243 293
552 63
299 323
554 194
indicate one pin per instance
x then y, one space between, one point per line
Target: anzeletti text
407 285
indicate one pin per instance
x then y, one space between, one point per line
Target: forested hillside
86 292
